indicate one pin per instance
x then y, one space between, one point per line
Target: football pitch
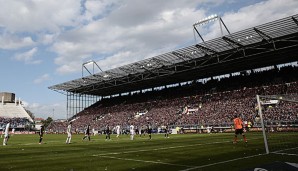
181 152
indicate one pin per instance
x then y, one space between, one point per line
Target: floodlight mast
93 64
207 20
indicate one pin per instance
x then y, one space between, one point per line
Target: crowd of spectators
14 122
215 102
57 127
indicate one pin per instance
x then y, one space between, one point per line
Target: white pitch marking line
163 148
285 150
212 164
146 161
37 143
285 154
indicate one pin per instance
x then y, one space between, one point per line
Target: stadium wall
7 97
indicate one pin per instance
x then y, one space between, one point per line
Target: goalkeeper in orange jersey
238 125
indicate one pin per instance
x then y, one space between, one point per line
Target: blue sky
43 43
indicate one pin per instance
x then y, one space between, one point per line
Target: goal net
278 117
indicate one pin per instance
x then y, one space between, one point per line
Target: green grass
179 152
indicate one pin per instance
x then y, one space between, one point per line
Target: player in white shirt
118 130
6 134
2 133
13 130
132 131
140 130
93 132
68 131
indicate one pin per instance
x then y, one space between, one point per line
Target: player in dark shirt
166 131
41 132
108 137
87 133
149 130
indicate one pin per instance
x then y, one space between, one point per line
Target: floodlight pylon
207 20
93 67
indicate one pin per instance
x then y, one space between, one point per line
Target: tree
47 121
30 114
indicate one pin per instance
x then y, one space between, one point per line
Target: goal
278 117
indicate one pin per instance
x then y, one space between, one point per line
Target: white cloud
11 42
103 30
94 9
27 56
47 39
68 68
154 26
254 15
35 15
121 58
55 110
44 77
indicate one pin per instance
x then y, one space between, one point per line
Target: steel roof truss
127 70
231 42
295 20
113 74
263 35
144 67
203 54
162 61
98 77
90 80
136 77
205 50
228 56
180 56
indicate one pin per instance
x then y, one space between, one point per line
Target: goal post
278 116
262 124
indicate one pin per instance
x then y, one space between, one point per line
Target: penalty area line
227 161
146 161
163 148
281 152
284 150
289 154
37 143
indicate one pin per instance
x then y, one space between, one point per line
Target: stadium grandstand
195 87
11 110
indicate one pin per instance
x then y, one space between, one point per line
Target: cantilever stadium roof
267 44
